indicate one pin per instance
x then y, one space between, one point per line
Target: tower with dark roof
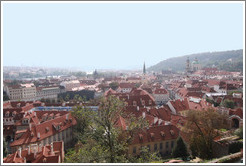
188 68
144 69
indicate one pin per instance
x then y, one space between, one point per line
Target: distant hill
224 60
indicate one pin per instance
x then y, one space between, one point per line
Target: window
172 144
167 144
134 150
54 138
134 103
160 145
155 147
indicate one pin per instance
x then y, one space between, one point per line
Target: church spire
144 70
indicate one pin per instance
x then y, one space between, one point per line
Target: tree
114 85
67 98
229 104
203 127
5 148
5 96
145 156
91 152
98 129
180 149
239 133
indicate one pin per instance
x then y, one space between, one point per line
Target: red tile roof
46 155
27 137
156 134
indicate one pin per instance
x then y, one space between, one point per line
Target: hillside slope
224 60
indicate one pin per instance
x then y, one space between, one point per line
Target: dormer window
143 102
152 135
171 132
162 133
47 129
140 136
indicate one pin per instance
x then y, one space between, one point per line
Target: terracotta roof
45 155
26 138
160 91
127 85
156 133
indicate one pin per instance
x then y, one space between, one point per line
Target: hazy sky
116 36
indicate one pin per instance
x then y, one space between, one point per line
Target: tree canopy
100 139
202 128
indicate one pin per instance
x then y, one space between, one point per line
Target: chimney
35 114
29 150
30 126
148 109
155 120
138 108
143 114
35 152
51 148
19 152
128 97
67 116
39 148
38 135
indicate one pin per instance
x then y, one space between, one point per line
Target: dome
195 62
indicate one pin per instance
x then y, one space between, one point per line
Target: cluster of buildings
42 135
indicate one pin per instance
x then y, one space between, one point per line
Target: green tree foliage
98 138
114 85
145 156
208 59
203 127
77 95
5 148
228 104
5 96
78 74
180 149
239 132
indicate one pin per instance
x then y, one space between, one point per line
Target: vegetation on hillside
224 60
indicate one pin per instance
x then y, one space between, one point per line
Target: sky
92 36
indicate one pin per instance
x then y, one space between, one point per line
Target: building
47 92
69 85
160 139
22 92
42 128
125 87
161 96
195 65
52 153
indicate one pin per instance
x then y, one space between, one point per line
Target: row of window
156 146
142 102
8 120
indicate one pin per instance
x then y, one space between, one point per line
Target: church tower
144 69
188 65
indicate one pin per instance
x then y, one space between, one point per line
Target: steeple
144 70
187 65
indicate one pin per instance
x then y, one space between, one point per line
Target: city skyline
92 36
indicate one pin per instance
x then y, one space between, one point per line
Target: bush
235 147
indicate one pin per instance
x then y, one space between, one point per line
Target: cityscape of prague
123 83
